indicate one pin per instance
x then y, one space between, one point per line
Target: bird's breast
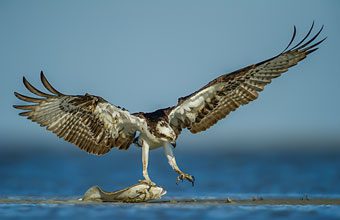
153 141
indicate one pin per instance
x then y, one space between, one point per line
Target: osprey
96 126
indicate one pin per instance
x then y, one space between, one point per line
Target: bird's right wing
88 121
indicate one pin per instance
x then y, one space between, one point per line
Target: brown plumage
95 125
230 91
81 120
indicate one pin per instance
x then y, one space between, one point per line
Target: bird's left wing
88 121
217 99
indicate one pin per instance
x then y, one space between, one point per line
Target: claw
188 177
179 178
148 182
193 181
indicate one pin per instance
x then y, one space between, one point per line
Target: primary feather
225 94
88 121
95 125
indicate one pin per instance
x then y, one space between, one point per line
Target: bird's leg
145 161
172 161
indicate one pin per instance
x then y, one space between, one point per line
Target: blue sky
143 55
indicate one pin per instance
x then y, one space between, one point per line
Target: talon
188 177
148 182
193 181
179 178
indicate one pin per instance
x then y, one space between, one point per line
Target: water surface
67 174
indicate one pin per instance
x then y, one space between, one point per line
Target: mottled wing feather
225 94
87 121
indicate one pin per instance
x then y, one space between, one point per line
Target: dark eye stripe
163 124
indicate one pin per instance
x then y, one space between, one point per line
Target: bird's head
165 132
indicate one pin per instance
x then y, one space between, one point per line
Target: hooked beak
173 144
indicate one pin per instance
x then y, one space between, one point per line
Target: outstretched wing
87 121
217 99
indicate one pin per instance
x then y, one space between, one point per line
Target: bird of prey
96 126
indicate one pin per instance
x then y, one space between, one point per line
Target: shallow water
46 174
142 211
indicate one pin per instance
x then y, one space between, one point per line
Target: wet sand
226 201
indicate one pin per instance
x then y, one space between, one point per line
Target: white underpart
190 107
119 121
153 141
149 138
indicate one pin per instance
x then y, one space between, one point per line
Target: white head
165 132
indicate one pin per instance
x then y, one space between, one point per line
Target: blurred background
143 55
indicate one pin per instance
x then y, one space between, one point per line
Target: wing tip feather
302 45
27 98
48 85
34 90
24 114
24 107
